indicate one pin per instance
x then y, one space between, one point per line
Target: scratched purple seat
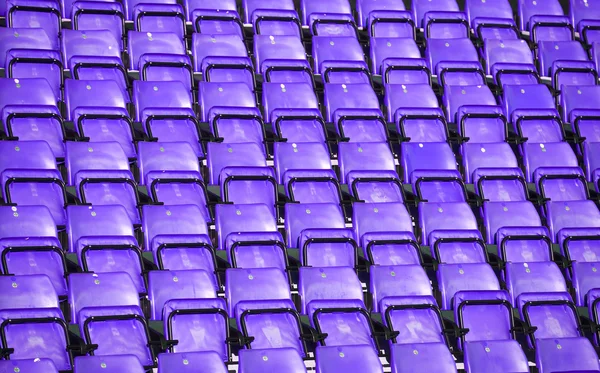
281 360
45 14
29 309
199 325
97 15
30 113
579 108
172 172
553 313
233 219
117 363
320 285
427 159
100 117
340 60
527 9
109 312
511 56
94 55
558 58
399 283
100 173
456 58
281 59
358 358
418 357
166 286
384 231
566 355
222 58
165 109
214 17
497 215
29 176
178 237
395 51
454 278
32 249
38 365
370 172
190 362
104 240
159 56
491 19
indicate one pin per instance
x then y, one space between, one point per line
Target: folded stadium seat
453 278
533 277
364 8
110 316
578 106
260 300
360 358
235 220
340 59
104 240
370 172
31 53
191 362
499 214
222 58
524 244
156 16
274 17
33 249
29 176
564 215
527 9
99 116
460 98
411 70
97 15
37 365
30 313
29 112
518 99
167 286
176 166
279 360
44 14
318 231
489 344
561 184
406 358
214 17
584 16
165 109
108 364
281 58
331 18
500 184
178 237
399 97
427 159
421 7
440 24
591 160
94 55
553 315
550 28
305 171
511 59
558 58
459 246
199 326
421 124
159 56
101 176
316 285
455 61
390 23
256 250
407 285
566 354
491 19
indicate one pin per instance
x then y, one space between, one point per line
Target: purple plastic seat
31 292
281 59
104 240
566 355
591 160
358 358
497 215
421 357
444 216
158 17
191 362
540 156
459 99
256 250
233 219
346 101
480 158
405 284
166 112
491 19
36 364
214 16
222 58
527 9
579 107
318 8
44 14
400 97
172 172
555 57
421 7
29 176
279 98
94 55
116 363
100 173
500 184
280 360
454 278
524 244
228 159
340 60
281 19
97 15
249 185
165 286
397 52
403 70
365 7
439 24
495 357
565 215
110 315
388 21
426 159
518 99
545 28
199 326
456 58
561 184
100 117
533 277
178 237
30 113
481 124
316 285
512 55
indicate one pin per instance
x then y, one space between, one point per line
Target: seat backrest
271 360
26 221
575 355
453 278
429 156
155 158
85 156
171 221
301 216
487 315
104 364
553 313
29 291
349 96
301 156
526 96
140 43
527 9
327 284
407 357
255 285
26 91
26 38
444 216
97 221
191 362
508 214
397 281
360 358
364 157
223 156
81 94
93 43
380 217
230 218
153 95
34 365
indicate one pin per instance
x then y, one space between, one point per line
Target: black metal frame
377 20
54 116
38 9
316 22
536 237
466 116
48 61
585 30
481 302
24 249
292 312
501 177
394 180
388 318
386 73
576 238
579 119
45 180
532 328
282 118
438 179
322 179
359 310
315 240
223 18
146 13
202 311
439 241
295 20
404 118
410 242
456 21
113 12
